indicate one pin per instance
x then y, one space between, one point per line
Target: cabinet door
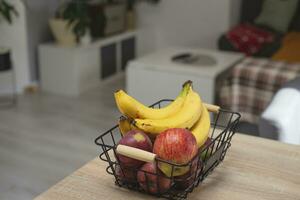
128 51
5 62
108 63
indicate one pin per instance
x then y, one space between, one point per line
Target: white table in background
156 76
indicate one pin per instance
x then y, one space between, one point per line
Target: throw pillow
277 14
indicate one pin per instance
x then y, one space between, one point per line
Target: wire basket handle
135 153
212 108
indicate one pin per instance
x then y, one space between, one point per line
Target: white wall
28 30
235 11
15 37
38 14
184 23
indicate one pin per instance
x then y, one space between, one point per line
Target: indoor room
145 99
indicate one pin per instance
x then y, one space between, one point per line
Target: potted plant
7 11
71 23
61 29
115 16
130 15
98 19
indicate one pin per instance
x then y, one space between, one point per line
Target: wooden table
253 169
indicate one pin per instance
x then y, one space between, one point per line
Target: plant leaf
7 10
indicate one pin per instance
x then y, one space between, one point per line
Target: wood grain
254 168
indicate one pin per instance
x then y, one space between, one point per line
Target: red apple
137 139
152 180
184 181
125 173
176 145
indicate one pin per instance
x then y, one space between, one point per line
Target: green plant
77 14
7 11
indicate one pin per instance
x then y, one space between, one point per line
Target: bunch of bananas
186 111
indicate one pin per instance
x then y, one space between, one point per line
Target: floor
46 137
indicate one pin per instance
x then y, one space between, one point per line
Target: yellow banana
132 108
125 125
201 129
188 115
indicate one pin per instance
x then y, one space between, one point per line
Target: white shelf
95 44
72 70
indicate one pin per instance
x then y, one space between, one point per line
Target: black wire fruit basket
210 155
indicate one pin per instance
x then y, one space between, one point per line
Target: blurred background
62 60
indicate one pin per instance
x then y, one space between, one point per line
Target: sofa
265 127
248 12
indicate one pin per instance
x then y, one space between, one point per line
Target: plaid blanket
251 85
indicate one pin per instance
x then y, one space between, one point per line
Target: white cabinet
156 76
72 70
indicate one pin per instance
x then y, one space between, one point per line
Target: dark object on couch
267 50
249 11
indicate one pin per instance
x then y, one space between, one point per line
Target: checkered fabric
251 85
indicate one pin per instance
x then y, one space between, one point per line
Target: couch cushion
267 50
277 14
295 25
250 10
289 51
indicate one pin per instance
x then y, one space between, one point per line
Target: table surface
254 168
161 61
